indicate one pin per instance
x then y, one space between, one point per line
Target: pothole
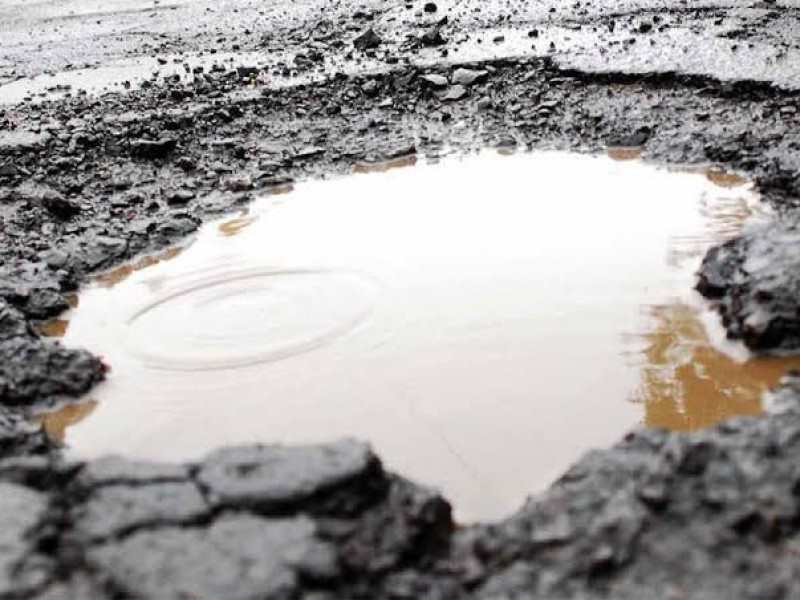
482 322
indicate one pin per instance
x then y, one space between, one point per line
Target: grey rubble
754 281
118 528
89 180
707 515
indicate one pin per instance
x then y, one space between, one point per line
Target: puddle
482 322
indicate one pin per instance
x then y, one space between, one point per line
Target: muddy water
482 321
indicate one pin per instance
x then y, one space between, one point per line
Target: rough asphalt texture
250 95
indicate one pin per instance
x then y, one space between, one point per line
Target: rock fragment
240 557
20 140
20 510
111 470
455 93
467 77
12 323
433 37
435 80
117 509
268 478
152 149
369 40
19 437
48 198
39 372
371 88
33 290
754 280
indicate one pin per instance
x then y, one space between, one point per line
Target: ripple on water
225 318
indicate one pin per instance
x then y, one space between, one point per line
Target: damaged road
115 142
661 515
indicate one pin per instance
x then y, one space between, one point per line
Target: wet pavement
274 93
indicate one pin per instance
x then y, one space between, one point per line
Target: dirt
89 180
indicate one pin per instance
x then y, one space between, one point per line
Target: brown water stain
688 384
54 328
56 423
725 179
625 153
237 224
116 276
385 165
280 189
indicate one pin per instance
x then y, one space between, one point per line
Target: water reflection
725 216
468 319
689 384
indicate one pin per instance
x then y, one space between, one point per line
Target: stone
371 88
50 199
18 140
180 197
485 103
99 251
467 77
19 437
369 40
270 477
435 80
118 509
111 470
12 323
21 509
34 372
433 37
174 228
240 557
454 93
754 280
33 289
152 149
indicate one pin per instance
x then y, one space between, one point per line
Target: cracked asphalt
124 124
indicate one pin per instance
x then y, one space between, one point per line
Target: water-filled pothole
482 321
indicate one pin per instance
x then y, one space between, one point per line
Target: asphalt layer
162 114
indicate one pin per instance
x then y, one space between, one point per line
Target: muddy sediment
89 181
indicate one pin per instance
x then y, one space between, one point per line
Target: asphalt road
123 125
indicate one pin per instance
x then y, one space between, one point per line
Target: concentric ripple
224 319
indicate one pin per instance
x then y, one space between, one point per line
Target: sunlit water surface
482 322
